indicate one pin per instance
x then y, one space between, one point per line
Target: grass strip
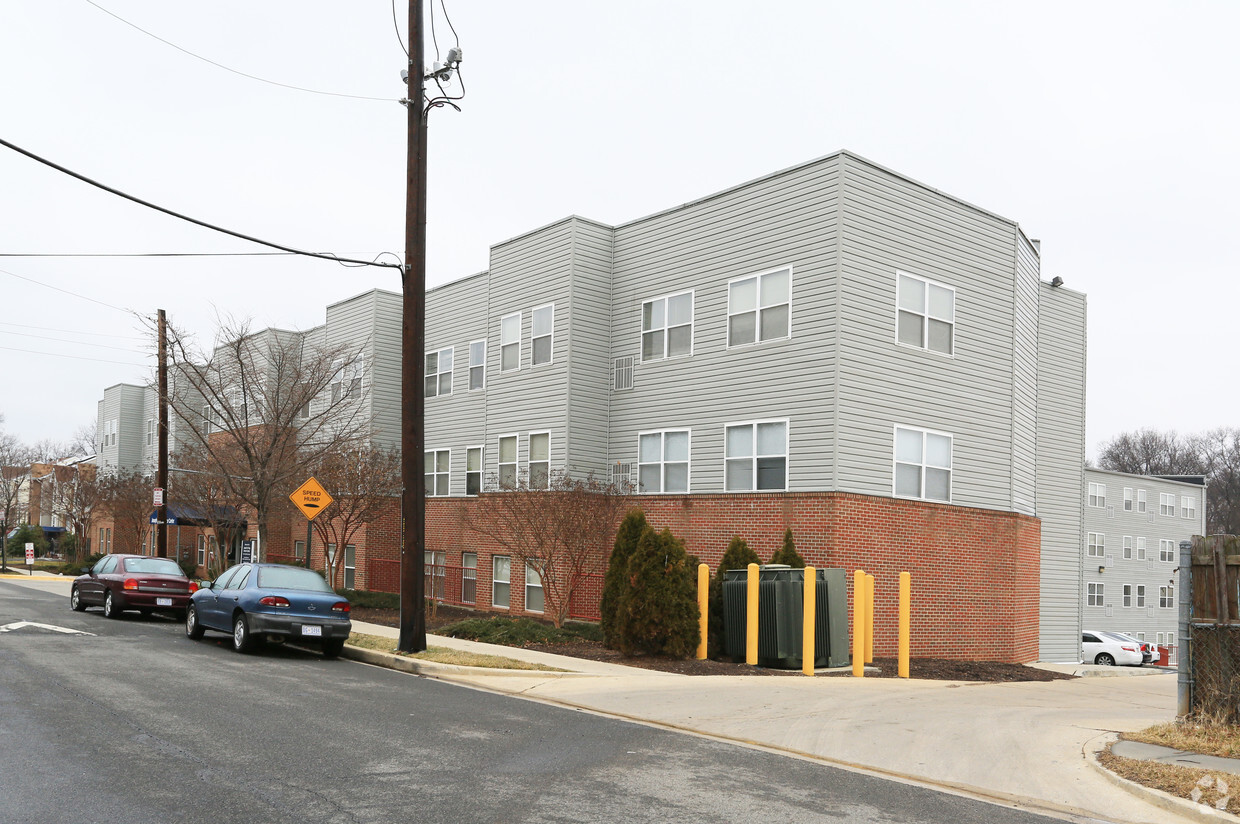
1212 787
1208 739
443 655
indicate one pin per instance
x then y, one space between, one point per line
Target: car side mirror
86 570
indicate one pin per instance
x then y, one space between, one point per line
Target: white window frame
532 572
439 374
757 311
1141 552
1142 502
482 454
1127 540
534 338
529 462
515 463
1166 597
925 314
1128 500
432 482
469 573
1096 544
663 463
1097 495
754 457
348 379
505 343
951 447
1140 596
480 365
1127 596
350 566
202 549
506 580
1166 504
664 331
1095 594
150 432
1188 506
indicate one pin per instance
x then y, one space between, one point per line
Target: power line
192 220
69 331
229 69
396 25
142 254
66 291
78 342
72 357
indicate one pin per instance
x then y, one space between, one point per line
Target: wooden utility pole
161 480
412 348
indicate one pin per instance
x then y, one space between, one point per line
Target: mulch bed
924 668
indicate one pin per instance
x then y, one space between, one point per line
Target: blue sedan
258 602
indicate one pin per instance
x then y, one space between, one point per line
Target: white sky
1109 130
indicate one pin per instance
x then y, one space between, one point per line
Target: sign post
311 498
30 557
247 551
159 496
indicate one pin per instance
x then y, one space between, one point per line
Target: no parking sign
29 554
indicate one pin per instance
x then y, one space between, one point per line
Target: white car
1102 648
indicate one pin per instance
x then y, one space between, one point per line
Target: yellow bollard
807 629
703 608
906 588
858 646
869 619
751 616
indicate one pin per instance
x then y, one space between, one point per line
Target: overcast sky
1109 130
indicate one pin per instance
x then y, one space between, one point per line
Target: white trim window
507 474
350 566
539 451
1095 594
756 456
1095 544
439 372
438 463
1142 505
1188 506
1166 550
1140 548
347 382
1098 495
760 307
501 585
202 549
1128 501
533 589
667 327
473 470
1140 596
510 342
1127 547
477 365
663 461
542 331
923 464
150 436
1127 597
1166 597
925 314
1166 504
469 577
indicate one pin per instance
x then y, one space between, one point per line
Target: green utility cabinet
780 616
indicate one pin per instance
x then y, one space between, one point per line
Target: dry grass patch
1207 739
1211 787
443 655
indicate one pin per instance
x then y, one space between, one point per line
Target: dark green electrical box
780 616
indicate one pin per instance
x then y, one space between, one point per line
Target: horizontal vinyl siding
1025 379
1061 468
787 220
890 225
350 325
456 314
385 366
589 349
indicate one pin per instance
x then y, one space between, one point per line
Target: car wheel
109 606
193 629
1105 659
333 648
75 601
242 642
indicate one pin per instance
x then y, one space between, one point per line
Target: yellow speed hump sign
311 498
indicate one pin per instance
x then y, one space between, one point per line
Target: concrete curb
446 672
1158 798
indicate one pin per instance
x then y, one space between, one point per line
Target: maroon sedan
128 582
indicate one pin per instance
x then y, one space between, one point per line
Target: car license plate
305 630
163 602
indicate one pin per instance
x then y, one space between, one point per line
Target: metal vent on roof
622 373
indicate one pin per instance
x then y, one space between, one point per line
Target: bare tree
1149 452
263 406
1221 456
127 498
48 451
363 482
74 497
204 495
85 440
561 530
15 460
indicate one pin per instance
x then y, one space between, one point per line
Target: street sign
247 551
311 498
29 554
159 496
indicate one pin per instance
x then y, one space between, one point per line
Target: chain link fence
1214 672
1210 613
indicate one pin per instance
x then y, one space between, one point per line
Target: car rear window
291 578
160 566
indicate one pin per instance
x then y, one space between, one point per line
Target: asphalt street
135 723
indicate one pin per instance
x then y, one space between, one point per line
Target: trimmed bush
615 582
370 600
738 555
787 554
520 632
658 613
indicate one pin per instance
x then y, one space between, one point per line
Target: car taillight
130 583
1128 649
273 601
193 587
340 606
